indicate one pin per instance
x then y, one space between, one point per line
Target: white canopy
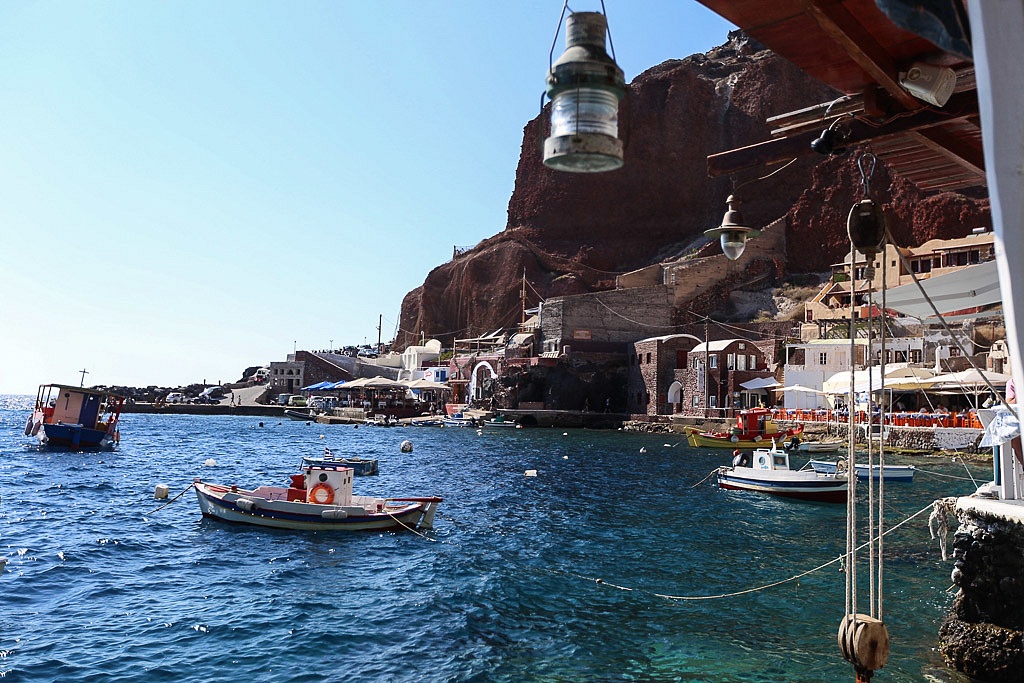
897 376
801 388
426 384
976 285
759 383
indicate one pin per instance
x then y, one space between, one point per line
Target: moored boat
753 426
767 471
500 422
458 420
319 498
361 467
303 415
819 446
889 472
75 417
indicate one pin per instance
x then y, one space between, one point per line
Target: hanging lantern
733 232
585 86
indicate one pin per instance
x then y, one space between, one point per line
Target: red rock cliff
572 233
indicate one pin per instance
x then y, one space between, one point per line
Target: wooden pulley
864 642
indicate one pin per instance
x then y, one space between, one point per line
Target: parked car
297 401
175 397
204 399
282 399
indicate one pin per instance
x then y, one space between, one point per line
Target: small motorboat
318 499
767 471
753 426
75 417
889 472
458 420
820 446
500 422
361 467
426 422
303 415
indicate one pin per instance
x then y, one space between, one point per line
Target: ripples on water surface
100 586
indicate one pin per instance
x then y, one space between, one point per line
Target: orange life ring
314 497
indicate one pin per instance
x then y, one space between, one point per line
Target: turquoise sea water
101 587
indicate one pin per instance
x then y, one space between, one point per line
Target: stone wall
983 636
622 315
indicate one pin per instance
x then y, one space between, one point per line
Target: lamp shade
733 233
585 86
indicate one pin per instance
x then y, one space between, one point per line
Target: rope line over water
840 558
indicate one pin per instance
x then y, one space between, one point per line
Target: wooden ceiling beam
960 106
954 148
839 25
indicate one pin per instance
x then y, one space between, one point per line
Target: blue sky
191 188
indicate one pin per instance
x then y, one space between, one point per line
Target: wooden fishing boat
753 426
500 422
767 471
75 417
819 446
904 473
319 498
361 467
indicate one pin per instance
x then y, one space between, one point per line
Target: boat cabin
755 421
770 459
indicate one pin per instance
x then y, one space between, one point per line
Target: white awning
971 287
759 383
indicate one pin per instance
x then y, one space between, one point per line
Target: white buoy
565 433
321 436
210 462
531 473
643 450
565 457
161 491
406 446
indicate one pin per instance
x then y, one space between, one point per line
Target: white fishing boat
767 471
319 498
889 472
458 420
819 446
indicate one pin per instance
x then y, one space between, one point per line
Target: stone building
710 384
652 387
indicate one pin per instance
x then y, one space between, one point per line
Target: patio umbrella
354 384
426 384
801 388
383 383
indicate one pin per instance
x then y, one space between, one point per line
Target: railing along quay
967 420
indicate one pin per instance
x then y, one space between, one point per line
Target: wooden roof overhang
854 47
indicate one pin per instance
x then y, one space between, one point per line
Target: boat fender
247 504
28 427
734 438
840 466
333 514
321 494
757 438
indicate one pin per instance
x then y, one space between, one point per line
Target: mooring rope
710 474
173 499
840 558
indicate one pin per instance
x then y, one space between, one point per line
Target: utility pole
380 322
523 296
707 367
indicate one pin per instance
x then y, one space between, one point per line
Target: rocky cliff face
572 233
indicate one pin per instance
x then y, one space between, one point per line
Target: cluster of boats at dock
321 497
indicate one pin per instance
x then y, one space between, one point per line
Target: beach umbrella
427 384
800 388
